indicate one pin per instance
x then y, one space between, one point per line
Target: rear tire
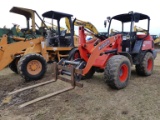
145 68
117 72
13 65
32 67
74 54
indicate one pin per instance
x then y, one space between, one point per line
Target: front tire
32 67
145 68
117 72
89 74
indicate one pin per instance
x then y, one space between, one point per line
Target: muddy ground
140 100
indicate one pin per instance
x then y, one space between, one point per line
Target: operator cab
126 24
57 37
32 29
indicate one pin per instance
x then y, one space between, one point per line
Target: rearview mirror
105 23
108 19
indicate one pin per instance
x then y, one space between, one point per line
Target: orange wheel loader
115 55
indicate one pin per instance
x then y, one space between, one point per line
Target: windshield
21 24
139 27
53 24
117 26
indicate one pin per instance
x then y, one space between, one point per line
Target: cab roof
127 17
23 11
56 15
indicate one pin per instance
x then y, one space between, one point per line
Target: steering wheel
102 37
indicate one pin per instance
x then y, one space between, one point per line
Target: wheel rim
34 67
123 73
149 65
76 55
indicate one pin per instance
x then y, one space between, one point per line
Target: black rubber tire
22 67
71 57
113 67
13 65
89 74
141 69
72 53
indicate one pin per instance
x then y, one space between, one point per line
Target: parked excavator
87 25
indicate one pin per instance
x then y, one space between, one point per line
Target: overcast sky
94 11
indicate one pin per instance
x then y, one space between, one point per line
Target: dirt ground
140 100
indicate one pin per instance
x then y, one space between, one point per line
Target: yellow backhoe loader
28 55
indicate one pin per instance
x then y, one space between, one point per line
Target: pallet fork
56 76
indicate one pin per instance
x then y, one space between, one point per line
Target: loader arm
8 51
96 53
97 50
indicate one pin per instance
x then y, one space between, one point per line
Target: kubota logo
104 44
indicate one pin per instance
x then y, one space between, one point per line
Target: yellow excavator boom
139 29
157 40
86 24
